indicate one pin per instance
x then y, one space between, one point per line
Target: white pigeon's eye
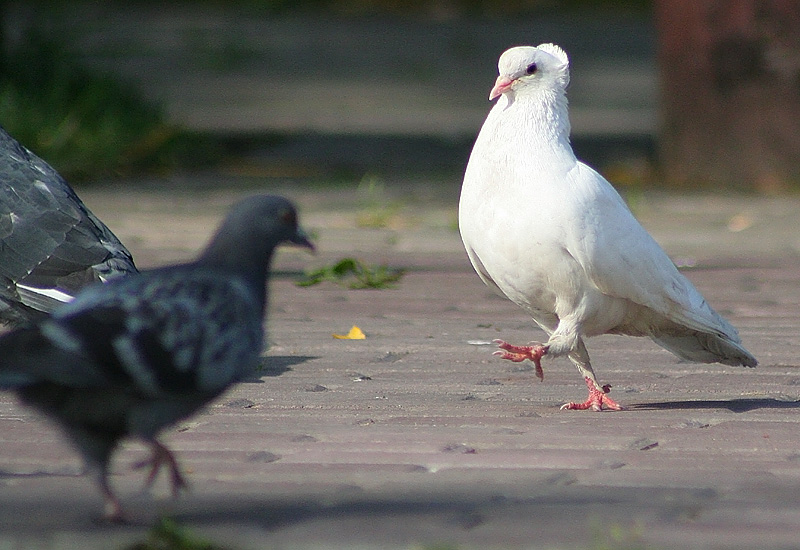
531 68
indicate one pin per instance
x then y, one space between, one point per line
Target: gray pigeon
51 245
132 356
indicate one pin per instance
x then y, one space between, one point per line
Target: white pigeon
553 236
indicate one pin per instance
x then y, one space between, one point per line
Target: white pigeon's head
525 68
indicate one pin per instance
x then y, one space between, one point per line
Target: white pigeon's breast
518 221
516 245
522 258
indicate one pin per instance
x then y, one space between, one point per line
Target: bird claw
517 354
515 357
112 509
160 456
596 401
113 515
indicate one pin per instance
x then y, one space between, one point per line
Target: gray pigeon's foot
112 510
518 354
163 456
597 401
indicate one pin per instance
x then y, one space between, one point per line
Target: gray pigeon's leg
97 450
112 509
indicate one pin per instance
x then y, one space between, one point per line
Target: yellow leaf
354 334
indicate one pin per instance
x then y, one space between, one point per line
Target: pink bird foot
112 510
163 456
517 354
597 400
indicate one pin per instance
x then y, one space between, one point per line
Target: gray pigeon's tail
21 358
28 358
702 347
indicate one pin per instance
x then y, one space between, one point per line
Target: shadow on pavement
276 365
733 405
461 511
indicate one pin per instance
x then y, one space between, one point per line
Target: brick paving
416 437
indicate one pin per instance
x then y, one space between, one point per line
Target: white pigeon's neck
541 116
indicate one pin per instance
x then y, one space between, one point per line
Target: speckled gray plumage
138 353
49 240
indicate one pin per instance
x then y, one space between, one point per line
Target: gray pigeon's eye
288 218
531 68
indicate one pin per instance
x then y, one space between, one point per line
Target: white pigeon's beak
501 85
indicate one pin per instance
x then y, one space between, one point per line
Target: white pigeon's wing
624 261
482 272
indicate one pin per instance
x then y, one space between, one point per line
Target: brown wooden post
730 93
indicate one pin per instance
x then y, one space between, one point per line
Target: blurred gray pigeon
553 236
51 245
136 354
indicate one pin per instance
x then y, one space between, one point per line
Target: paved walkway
416 437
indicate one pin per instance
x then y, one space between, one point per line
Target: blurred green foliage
354 274
437 7
90 125
456 8
85 124
167 534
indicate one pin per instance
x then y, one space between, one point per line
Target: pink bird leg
112 511
160 456
596 401
518 354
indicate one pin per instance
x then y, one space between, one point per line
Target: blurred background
679 94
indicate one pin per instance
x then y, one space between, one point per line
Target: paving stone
421 437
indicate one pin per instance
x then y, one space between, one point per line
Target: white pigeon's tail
702 347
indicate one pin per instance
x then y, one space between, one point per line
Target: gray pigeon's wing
51 245
168 332
173 330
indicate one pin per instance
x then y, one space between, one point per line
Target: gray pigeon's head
269 217
253 228
525 69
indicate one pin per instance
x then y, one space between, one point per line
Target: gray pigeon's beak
301 239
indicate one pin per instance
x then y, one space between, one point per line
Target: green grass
615 536
167 534
378 210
